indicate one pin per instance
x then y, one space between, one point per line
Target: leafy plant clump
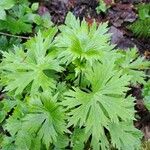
19 19
141 26
68 90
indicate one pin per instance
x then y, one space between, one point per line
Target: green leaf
134 65
13 123
30 67
78 41
146 94
8 44
35 6
6 106
102 6
7 4
42 124
46 120
122 131
7 143
23 140
15 26
141 26
143 10
78 139
104 104
62 142
2 14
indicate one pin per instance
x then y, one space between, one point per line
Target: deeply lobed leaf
78 41
29 66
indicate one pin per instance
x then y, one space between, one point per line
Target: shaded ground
119 15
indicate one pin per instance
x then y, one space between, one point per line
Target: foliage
7 44
106 100
104 5
43 110
141 26
34 67
80 44
43 122
5 5
146 94
134 65
20 18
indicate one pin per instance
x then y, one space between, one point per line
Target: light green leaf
134 65
5 107
105 103
122 131
2 14
62 142
46 119
78 139
79 43
34 69
35 6
7 4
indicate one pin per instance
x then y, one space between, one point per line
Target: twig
16 36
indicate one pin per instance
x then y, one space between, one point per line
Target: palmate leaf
13 125
22 18
35 67
8 143
46 119
80 42
125 136
132 64
105 104
43 124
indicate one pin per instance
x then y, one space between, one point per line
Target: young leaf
82 43
132 64
35 6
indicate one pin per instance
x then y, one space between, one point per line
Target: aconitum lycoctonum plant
68 90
